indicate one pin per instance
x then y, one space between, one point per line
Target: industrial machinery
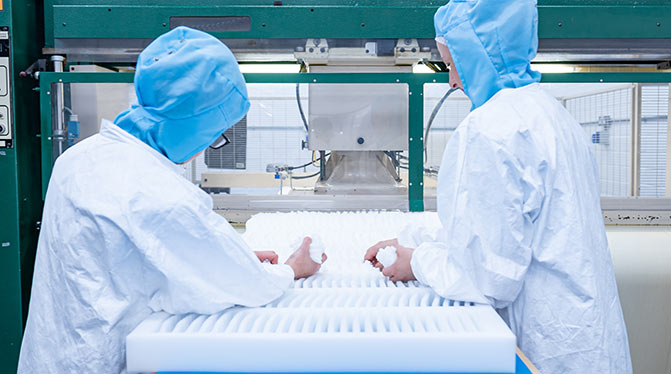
363 112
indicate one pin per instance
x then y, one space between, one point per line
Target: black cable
306 176
432 117
304 165
300 106
392 157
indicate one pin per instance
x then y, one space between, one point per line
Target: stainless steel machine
365 127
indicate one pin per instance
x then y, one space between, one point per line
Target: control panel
6 130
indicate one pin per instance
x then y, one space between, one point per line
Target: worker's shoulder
117 169
512 112
516 103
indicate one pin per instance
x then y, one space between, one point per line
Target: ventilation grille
232 155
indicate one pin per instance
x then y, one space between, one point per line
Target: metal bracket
408 51
34 69
316 51
664 65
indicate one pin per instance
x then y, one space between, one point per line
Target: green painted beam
416 147
47 78
20 193
344 19
11 326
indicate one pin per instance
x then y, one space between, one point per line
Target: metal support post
635 140
193 171
416 147
322 166
59 132
668 146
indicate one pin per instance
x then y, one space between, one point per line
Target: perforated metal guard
348 317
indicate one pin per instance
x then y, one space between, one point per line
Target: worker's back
80 266
124 235
567 316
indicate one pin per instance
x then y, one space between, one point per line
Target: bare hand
301 262
269 256
400 271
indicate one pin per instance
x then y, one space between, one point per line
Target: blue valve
73 129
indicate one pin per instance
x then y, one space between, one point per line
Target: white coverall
518 199
125 235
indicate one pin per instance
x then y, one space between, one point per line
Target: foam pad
347 317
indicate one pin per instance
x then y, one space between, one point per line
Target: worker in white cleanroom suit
124 234
518 199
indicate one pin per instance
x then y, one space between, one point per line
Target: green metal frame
415 84
342 18
20 198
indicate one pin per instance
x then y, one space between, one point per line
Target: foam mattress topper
346 318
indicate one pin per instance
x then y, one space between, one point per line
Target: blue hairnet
492 43
189 91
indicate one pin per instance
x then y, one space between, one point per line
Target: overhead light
553 68
270 68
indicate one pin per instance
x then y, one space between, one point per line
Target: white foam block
347 317
334 339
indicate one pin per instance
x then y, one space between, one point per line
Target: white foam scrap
386 256
316 247
346 236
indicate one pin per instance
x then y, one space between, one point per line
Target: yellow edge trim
526 361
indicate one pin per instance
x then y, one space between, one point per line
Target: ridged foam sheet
348 317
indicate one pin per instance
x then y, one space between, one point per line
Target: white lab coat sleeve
203 265
487 202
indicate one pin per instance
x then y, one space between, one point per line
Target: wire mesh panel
234 154
654 128
605 115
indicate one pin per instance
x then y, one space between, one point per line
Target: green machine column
20 197
416 146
